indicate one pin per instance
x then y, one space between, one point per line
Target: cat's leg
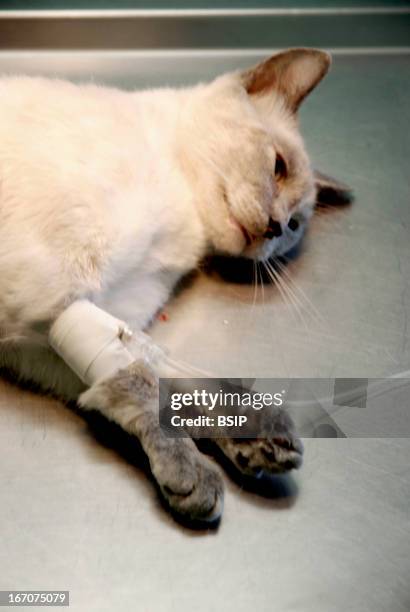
39 366
189 481
121 370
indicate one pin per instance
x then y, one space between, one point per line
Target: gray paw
275 455
189 482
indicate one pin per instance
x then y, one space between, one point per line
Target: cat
106 195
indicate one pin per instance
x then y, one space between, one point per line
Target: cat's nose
293 224
274 229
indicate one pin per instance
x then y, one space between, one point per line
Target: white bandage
90 341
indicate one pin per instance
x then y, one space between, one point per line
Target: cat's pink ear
292 73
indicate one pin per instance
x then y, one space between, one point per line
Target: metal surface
387 26
336 536
106 5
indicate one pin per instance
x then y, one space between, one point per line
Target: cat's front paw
275 455
189 482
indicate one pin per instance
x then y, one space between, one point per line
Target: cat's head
252 178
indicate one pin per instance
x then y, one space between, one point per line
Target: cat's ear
331 192
293 73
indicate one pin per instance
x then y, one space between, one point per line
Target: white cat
107 194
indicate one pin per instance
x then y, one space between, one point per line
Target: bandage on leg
91 342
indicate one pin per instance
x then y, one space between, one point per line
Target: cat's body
112 196
93 199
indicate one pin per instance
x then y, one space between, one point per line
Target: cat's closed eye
280 168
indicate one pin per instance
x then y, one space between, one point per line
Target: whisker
255 280
262 284
298 306
285 286
285 297
297 302
314 312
